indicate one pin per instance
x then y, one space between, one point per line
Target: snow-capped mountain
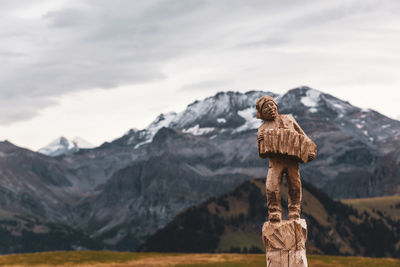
63 146
214 115
233 112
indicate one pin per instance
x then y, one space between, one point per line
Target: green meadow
388 205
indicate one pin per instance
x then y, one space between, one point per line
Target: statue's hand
311 156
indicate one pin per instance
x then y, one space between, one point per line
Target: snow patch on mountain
311 99
252 122
221 120
196 130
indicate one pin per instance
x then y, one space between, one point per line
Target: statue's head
267 108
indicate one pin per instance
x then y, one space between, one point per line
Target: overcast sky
95 68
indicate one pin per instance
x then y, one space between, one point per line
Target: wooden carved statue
282 140
286 145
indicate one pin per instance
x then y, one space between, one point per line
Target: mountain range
123 191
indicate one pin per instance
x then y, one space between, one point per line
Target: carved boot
294 211
274 217
294 216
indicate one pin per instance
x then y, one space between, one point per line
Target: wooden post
285 243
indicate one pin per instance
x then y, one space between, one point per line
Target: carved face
269 110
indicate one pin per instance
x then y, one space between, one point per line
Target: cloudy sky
96 68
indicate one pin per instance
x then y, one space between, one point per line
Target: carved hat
260 103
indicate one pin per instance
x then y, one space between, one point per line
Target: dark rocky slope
233 222
21 234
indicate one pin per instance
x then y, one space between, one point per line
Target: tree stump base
285 243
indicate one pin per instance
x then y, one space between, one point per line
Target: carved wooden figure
286 145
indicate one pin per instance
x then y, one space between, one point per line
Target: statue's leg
273 192
295 194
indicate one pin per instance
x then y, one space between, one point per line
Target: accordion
285 142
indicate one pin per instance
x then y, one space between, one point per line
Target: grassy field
389 206
119 259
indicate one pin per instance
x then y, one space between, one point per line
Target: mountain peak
62 145
306 99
